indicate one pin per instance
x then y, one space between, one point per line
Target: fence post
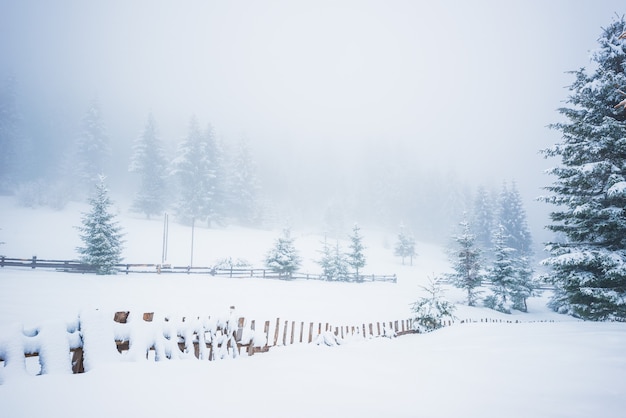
310 332
276 330
34 261
1 261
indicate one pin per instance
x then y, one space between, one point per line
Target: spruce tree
466 263
92 147
149 162
283 258
9 136
326 261
195 174
100 233
512 216
244 186
356 258
340 264
483 219
501 274
405 245
588 258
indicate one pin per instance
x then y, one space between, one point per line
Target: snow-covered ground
564 368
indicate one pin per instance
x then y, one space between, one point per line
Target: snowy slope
565 368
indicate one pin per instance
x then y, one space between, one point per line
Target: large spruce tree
149 162
195 168
588 257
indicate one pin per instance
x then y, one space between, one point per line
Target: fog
330 94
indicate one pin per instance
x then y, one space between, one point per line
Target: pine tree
512 217
244 186
589 260
466 264
9 137
523 285
340 264
92 147
405 245
196 175
326 261
432 310
149 162
283 258
333 262
100 233
501 274
483 219
356 258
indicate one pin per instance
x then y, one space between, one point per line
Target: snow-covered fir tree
244 186
483 219
432 310
512 216
283 258
100 233
195 170
405 245
326 261
466 263
333 262
92 147
501 273
356 257
149 162
9 136
588 259
524 285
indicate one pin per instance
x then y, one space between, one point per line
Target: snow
562 368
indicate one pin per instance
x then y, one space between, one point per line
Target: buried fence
123 336
239 272
98 337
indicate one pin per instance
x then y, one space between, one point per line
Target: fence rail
77 266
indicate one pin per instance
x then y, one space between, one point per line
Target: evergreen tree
92 147
589 192
283 258
326 261
340 264
333 262
405 245
483 219
356 258
523 285
512 217
501 274
466 264
196 175
432 310
9 137
149 162
244 186
100 233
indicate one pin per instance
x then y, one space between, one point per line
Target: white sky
464 84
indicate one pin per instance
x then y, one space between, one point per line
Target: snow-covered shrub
228 263
430 311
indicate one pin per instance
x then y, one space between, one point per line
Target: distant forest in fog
329 189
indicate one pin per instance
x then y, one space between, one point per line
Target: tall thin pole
193 224
165 237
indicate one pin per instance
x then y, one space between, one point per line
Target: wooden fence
77 266
192 338
199 338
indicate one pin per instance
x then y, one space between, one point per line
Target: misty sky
469 85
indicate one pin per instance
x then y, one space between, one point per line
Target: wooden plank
301 331
293 327
277 329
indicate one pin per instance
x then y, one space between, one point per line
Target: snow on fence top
97 338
